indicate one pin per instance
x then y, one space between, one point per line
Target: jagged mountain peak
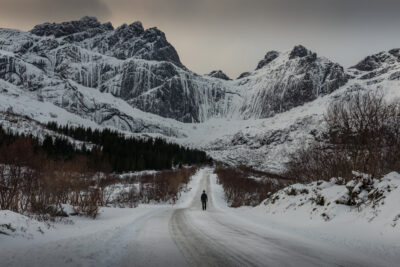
286 80
136 27
376 61
71 27
219 74
126 41
371 62
270 56
133 41
395 52
300 51
141 67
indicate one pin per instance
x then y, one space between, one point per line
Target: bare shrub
161 186
164 185
128 198
318 161
88 202
244 186
34 181
362 134
318 199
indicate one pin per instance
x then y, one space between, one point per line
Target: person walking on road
204 200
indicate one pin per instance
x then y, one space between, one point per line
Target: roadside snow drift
19 226
375 201
362 214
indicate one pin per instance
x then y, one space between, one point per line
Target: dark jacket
204 197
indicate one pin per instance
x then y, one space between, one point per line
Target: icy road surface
183 235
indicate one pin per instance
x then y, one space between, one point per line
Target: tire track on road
198 247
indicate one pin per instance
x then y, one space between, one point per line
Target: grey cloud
25 13
286 9
234 35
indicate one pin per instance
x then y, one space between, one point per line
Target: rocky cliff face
131 63
127 41
283 81
141 67
131 78
380 64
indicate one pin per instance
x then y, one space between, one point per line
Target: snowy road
218 238
180 236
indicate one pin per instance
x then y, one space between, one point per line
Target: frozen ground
184 235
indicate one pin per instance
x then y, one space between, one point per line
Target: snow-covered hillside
131 63
362 199
142 68
320 211
131 79
362 212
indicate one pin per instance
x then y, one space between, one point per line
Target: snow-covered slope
266 143
142 68
362 212
131 79
19 226
283 81
133 64
363 198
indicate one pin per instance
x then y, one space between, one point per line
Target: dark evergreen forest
133 154
110 151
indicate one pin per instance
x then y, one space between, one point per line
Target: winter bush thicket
43 190
156 187
363 134
244 186
34 181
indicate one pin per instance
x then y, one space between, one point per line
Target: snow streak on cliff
131 79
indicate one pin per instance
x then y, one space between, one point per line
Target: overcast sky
233 35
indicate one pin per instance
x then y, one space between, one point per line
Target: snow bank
217 193
19 226
318 213
363 214
375 201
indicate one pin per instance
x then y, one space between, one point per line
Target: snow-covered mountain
131 79
131 63
142 68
